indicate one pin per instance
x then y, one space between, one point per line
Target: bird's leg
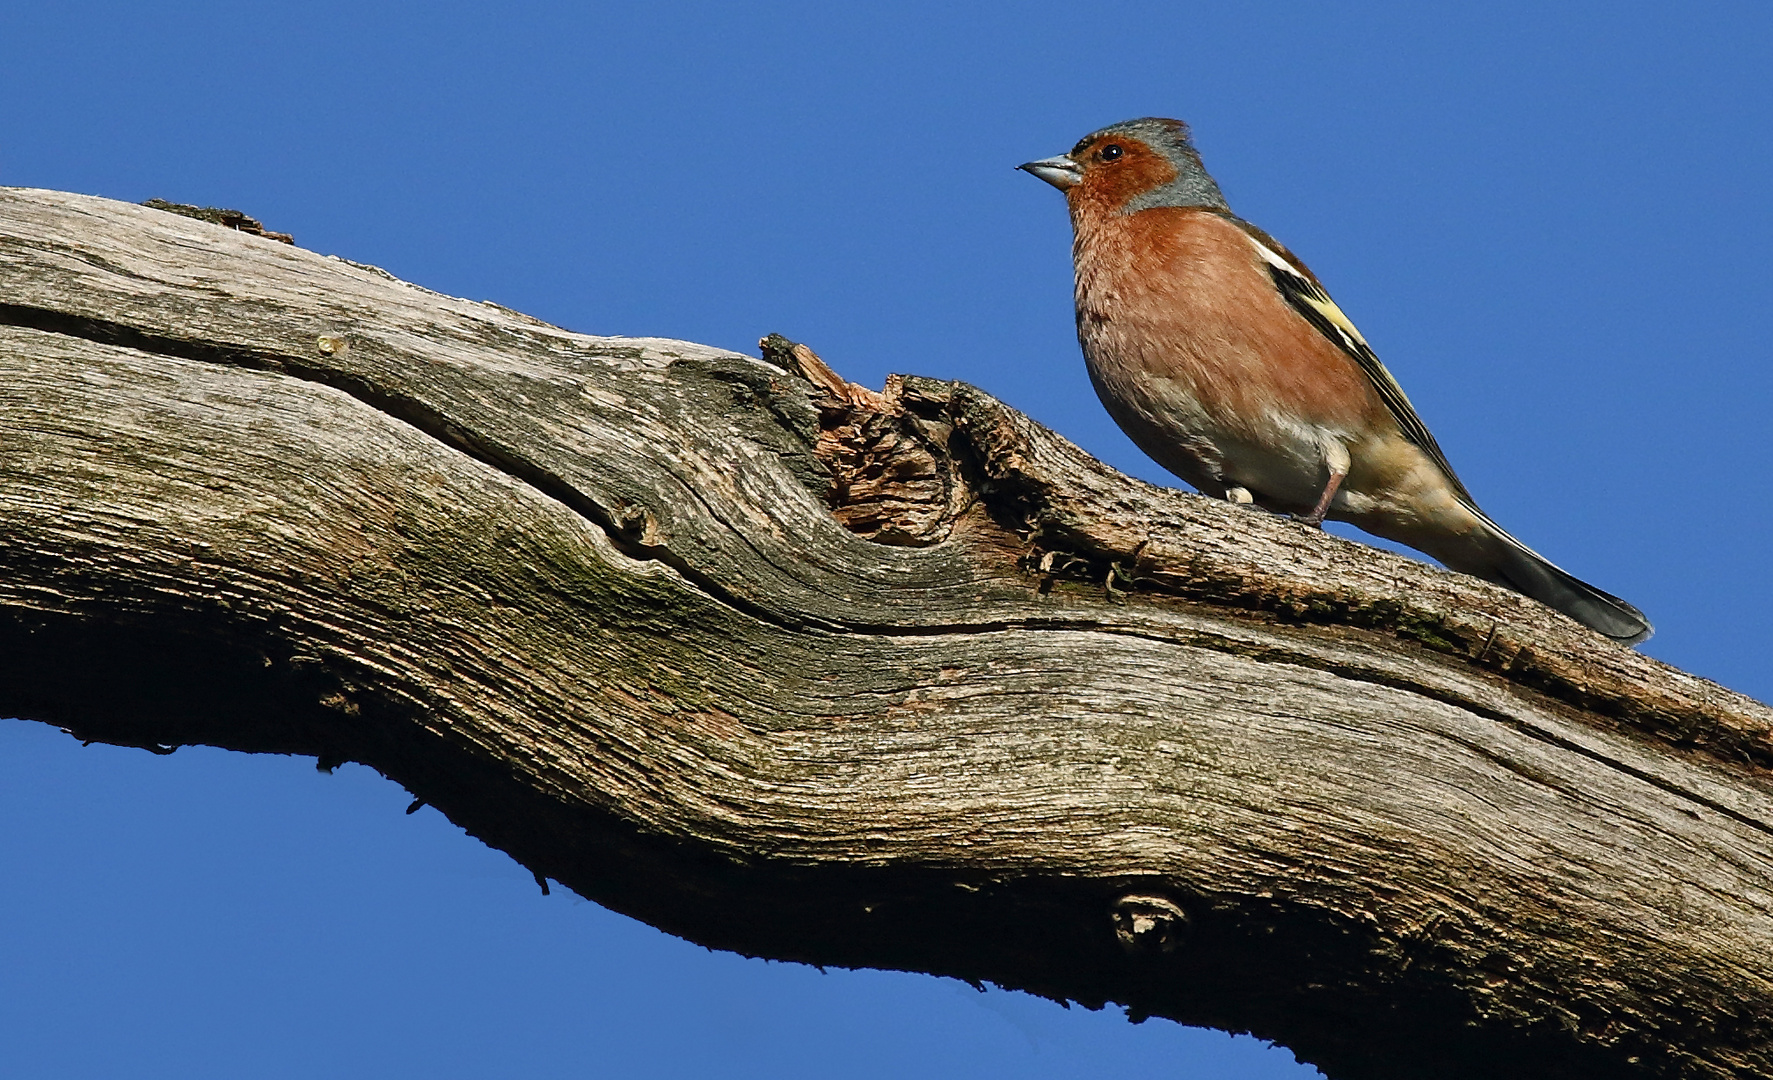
1316 517
1336 457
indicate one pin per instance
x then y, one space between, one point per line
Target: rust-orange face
1131 166
1107 169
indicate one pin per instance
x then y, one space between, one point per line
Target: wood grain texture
1024 719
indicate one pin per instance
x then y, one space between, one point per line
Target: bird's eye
1112 152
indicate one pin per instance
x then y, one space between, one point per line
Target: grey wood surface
894 679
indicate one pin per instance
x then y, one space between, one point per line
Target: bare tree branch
894 679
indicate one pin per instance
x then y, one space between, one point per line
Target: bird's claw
1241 496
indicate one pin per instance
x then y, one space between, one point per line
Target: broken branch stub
898 679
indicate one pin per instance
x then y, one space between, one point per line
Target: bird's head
1131 166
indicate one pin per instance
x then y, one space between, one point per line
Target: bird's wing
1308 297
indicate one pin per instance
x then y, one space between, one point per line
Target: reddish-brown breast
1177 300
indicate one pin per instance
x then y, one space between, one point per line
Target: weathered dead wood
1023 719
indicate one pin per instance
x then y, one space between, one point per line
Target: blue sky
1550 220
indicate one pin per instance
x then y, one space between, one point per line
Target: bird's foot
1239 496
1313 519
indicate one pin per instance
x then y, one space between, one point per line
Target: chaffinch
1223 357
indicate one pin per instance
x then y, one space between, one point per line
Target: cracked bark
894 679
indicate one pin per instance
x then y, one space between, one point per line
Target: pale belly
1280 459
1393 489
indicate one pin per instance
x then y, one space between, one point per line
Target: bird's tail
1512 563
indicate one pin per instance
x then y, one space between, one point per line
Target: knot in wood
889 480
635 524
1149 924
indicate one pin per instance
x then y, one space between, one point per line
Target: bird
1223 357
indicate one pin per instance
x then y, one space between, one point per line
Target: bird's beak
1061 172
